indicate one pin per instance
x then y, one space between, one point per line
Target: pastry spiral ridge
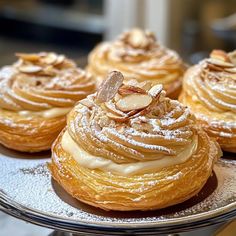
209 89
137 54
128 147
36 93
42 81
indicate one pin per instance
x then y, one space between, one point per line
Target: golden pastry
137 54
36 93
209 89
131 148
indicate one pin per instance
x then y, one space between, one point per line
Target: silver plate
27 191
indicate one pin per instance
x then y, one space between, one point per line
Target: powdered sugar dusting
28 183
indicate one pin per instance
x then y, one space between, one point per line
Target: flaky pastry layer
122 126
36 93
209 89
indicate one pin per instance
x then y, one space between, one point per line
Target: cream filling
94 162
50 113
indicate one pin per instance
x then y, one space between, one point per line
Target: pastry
36 93
137 54
128 147
209 89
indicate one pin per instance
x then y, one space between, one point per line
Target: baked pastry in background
128 147
137 54
209 89
36 93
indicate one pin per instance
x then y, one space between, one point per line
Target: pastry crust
209 89
36 93
31 134
147 159
137 54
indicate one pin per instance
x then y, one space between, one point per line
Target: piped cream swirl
136 141
37 84
209 89
214 86
137 54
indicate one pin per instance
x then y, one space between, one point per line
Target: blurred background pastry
209 89
137 54
36 93
128 147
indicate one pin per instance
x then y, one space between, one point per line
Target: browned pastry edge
38 134
73 177
226 143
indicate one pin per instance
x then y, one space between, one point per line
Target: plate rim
9 205
185 220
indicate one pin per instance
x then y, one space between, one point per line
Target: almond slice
110 86
137 38
128 89
132 113
156 90
116 117
146 85
112 108
220 63
50 58
232 56
60 59
28 56
30 69
231 70
117 97
214 67
86 102
134 102
220 55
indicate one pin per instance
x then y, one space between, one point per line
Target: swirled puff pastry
36 93
137 54
209 89
131 148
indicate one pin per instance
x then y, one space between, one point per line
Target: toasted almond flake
49 71
86 102
231 70
19 63
132 113
220 55
28 56
156 90
30 69
112 108
146 85
110 86
232 56
214 67
50 58
117 97
60 59
128 89
116 117
220 63
137 113
137 38
134 102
